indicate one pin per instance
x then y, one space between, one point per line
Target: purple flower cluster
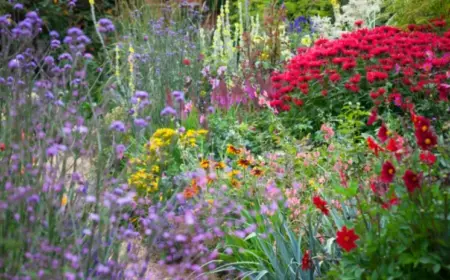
105 26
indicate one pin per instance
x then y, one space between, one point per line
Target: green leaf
436 268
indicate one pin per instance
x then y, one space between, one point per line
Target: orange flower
192 190
235 183
256 172
232 150
204 164
244 163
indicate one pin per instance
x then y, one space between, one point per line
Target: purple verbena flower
105 26
168 111
117 126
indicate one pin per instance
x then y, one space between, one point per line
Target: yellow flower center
346 238
428 141
391 171
424 128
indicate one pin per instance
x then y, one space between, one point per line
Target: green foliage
296 8
404 12
272 251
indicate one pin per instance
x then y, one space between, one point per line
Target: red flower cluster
346 238
363 61
425 136
321 205
306 261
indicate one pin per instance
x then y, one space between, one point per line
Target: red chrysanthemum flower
321 205
306 261
387 172
412 180
427 157
346 238
383 133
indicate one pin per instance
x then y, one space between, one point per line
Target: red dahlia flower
426 140
346 239
427 157
387 172
412 180
373 117
321 205
306 261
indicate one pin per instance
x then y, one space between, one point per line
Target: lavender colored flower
49 60
55 44
168 111
140 122
54 34
117 126
179 95
75 31
4 20
18 6
120 150
141 94
13 64
65 56
72 4
105 26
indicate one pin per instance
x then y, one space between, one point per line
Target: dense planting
174 142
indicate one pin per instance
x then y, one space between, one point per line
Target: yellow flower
92 2
64 200
334 3
204 164
219 165
155 169
233 173
306 40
